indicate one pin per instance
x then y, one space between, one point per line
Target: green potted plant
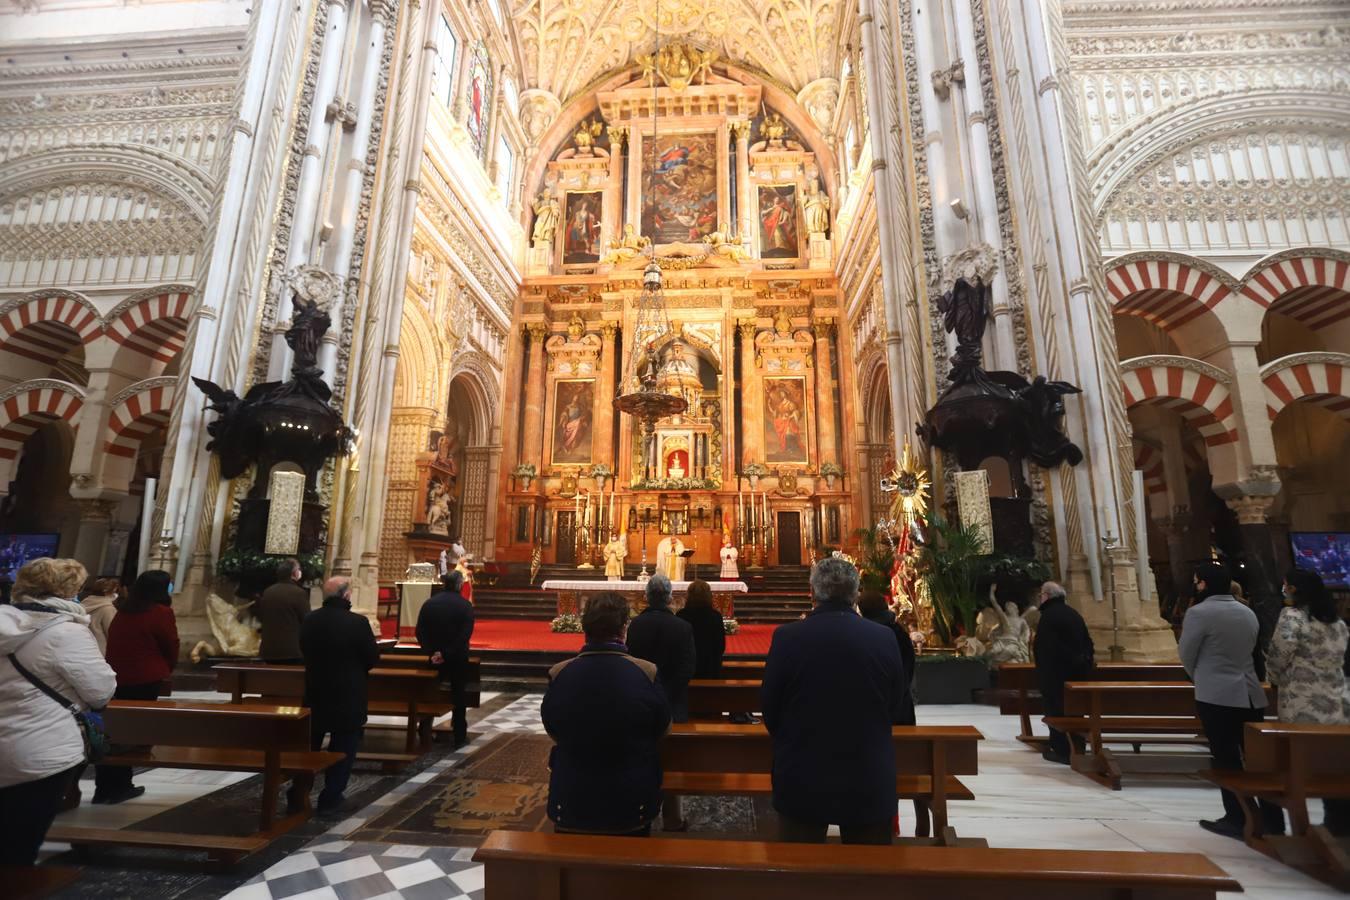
953 567
876 558
831 471
601 473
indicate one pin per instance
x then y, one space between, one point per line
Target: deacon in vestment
729 555
615 553
668 559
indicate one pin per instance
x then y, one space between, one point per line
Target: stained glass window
447 49
479 97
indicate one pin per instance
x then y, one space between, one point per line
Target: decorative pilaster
752 438
532 437
745 202
826 439
604 399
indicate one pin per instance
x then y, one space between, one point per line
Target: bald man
339 650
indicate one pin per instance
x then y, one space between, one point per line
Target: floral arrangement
253 565
678 484
525 470
730 626
755 468
567 623
832 468
600 470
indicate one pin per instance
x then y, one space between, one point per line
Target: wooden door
789 539
566 553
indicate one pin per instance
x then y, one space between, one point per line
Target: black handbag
89 723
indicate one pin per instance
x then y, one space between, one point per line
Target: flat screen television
1325 552
17 549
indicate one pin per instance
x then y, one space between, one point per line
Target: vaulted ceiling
567 44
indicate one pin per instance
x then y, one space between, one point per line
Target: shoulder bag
89 723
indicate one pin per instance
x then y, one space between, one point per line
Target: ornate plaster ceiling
567 44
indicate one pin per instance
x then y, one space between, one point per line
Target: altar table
574 593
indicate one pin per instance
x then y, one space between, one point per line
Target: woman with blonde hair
44 640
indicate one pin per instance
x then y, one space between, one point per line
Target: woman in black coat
710 637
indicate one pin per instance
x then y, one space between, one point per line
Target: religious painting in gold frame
778 219
679 187
581 227
573 425
784 420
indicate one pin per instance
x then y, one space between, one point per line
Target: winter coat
833 686
658 637
606 715
1062 645
280 610
143 646
1306 662
1217 647
37 737
908 659
445 625
100 611
710 640
339 650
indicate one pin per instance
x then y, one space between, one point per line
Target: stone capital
536 331
747 328
823 327
1251 509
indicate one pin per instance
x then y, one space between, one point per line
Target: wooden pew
718 758
273 740
1290 763
413 693
749 669
709 698
522 865
32 882
1134 712
1020 695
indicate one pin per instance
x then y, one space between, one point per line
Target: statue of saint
965 312
729 556
546 213
308 327
615 553
626 247
817 207
1010 640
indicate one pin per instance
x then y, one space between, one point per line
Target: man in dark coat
833 684
339 651
280 610
1064 651
444 627
659 636
606 715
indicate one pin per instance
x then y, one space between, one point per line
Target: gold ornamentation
677 64
586 134
631 244
910 483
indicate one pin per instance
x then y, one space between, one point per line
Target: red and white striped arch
25 411
1167 293
1200 399
46 327
137 417
1324 384
154 325
1313 290
1149 460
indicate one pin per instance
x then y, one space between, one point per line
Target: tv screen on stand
17 549
1325 552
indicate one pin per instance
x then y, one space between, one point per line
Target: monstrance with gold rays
909 484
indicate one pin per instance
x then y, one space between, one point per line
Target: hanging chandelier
641 392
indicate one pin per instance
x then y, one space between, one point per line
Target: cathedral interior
553 286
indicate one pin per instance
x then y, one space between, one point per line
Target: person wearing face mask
1306 661
339 651
142 649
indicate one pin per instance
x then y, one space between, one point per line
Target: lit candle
611 505
765 523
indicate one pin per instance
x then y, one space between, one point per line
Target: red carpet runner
517 634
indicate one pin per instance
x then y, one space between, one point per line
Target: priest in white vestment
668 559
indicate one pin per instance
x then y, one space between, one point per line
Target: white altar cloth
599 585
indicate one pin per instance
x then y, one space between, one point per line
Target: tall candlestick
611 506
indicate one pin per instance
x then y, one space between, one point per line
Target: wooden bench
718 758
749 669
522 865
709 698
1134 712
1020 694
273 740
415 694
1289 763
32 882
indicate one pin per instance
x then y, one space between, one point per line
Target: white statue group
1002 635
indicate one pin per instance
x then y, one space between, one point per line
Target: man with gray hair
339 651
1064 652
833 684
660 637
